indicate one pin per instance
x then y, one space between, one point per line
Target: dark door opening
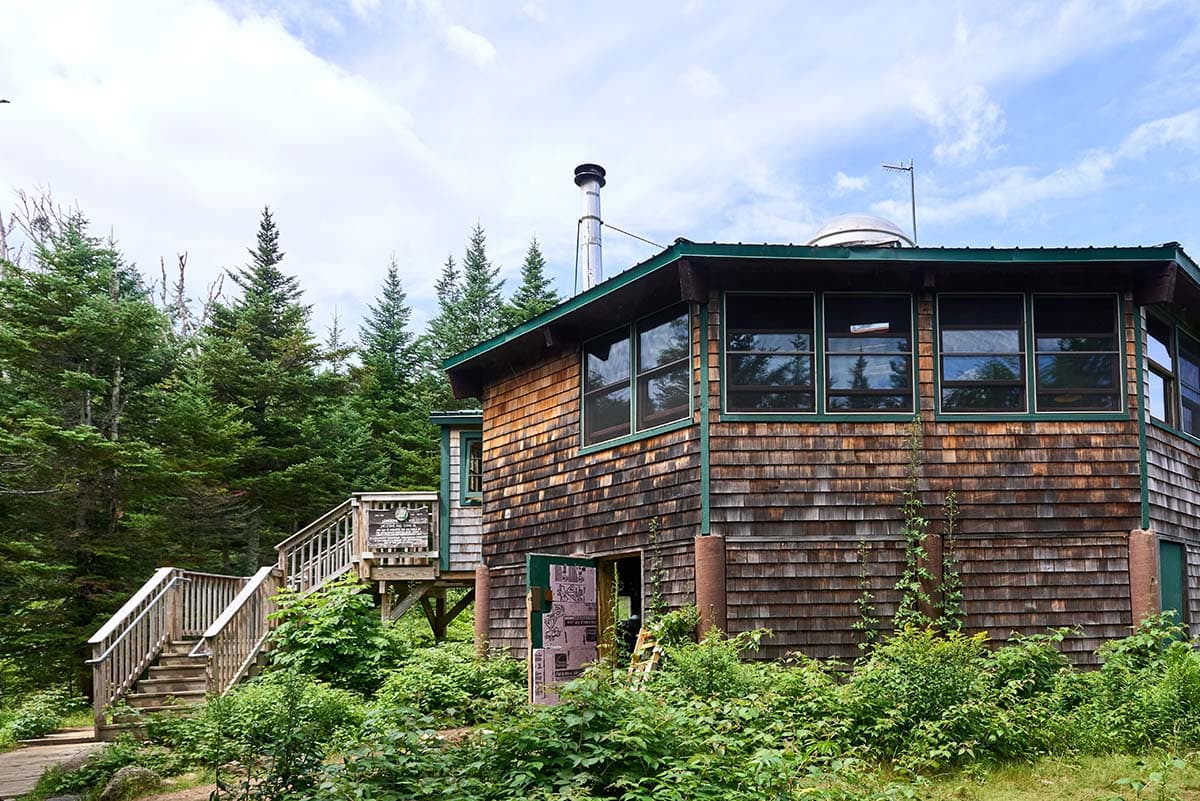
620 601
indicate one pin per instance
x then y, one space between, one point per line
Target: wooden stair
176 679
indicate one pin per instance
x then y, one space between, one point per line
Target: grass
1080 779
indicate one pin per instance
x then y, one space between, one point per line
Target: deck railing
233 641
322 550
171 605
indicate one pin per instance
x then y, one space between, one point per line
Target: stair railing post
99 688
174 609
359 517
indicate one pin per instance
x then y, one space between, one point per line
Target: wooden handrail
161 575
171 604
319 523
234 640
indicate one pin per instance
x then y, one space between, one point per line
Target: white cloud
701 83
846 184
535 10
967 124
470 45
1003 192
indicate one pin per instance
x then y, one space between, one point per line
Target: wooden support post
710 582
385 602
1144 599
439 630
483 608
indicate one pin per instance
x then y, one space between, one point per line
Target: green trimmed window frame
1171 384
865 403
1058 360
470 468
637 380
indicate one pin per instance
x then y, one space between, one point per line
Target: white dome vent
861 230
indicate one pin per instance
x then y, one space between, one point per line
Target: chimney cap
589 172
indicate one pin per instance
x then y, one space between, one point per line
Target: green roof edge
682 249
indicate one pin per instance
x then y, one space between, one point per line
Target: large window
1160 375
868 353
982 353
1189 384
769 353
637 378
1077 353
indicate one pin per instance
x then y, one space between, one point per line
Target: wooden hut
729 425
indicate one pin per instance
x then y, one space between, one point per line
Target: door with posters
563 626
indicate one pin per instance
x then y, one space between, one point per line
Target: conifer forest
145 421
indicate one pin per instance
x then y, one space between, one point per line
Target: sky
373 127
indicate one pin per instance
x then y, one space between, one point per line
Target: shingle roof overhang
1157 274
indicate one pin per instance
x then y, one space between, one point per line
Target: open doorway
619 596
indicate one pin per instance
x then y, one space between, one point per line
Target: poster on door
565 629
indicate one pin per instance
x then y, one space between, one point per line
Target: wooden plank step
180 660
164 700
172 685
416 573
190 670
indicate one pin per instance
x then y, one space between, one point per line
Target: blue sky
372 126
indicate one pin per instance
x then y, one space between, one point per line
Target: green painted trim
1030 357
1031 417
632 336
1160 425
818 417
666 428
723 356
444 503
914 358
463 418
1122 366
937 354
465 438
992 256
705 485
1143 461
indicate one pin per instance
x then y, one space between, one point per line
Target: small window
1077 353
982 353
1189 384
769 353
663 385
606 400
868 353
470 468
1160 375
619 399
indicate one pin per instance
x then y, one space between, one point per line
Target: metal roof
621 285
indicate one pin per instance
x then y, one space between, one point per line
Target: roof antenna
912 186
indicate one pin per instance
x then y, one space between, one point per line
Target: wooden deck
391 539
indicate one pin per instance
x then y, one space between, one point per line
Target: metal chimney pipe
589 178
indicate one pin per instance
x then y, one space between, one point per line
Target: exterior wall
1046 505
1173 466
543 496
466 521
1045 508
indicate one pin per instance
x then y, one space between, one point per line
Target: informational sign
564 629
406 528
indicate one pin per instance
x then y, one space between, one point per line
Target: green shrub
268 737
333 634
100 766
677 627
452 686
713 666
42 713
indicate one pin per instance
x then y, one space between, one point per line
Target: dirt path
20 769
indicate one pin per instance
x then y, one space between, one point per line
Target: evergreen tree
399 452
260 356
82 349
387 346
444 335
481 293
535 295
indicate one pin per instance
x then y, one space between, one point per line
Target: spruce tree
481 298
386 344
535 295
261 357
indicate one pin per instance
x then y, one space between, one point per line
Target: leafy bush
333 634
677 627
100 766
713 666
42 713
269 736
454 687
